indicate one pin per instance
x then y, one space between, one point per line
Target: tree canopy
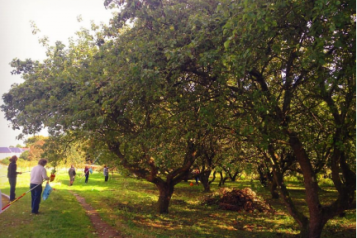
189 79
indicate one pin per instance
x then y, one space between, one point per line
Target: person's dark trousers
12 182
106 178
35 197
86 181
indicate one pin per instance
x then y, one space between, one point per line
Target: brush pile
238 200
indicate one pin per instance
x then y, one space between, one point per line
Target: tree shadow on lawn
133 202
189 219
186 220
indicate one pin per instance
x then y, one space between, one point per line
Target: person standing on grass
72 174
12 175
197 175
106 173
86 173
38 175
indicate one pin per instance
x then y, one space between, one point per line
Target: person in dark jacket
12 175
86 173
106 173
72 175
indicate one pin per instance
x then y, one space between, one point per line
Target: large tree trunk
266 175
313 228
204 177
187 176
166 190
273 189
262 175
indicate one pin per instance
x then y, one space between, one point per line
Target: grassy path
102 229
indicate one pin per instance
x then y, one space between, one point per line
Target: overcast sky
55 19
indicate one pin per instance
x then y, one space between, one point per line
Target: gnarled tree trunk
273 189
319 214
223 180
150 172
204 177
165 193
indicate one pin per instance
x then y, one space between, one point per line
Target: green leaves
226 44
196 71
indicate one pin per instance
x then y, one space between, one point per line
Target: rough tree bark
166 190
204 177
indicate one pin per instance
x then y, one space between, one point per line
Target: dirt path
102 228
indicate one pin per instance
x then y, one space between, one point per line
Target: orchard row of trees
207 83
34 152
40 146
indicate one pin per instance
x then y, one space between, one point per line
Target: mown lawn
129 204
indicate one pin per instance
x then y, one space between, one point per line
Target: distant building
8 152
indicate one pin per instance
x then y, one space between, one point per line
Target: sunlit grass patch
130 205
60 215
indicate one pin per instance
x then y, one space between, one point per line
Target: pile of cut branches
238 200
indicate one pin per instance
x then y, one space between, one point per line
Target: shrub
5 161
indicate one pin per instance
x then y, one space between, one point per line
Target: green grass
129 205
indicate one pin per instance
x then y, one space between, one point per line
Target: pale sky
55 19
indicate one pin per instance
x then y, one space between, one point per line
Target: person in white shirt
38 175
